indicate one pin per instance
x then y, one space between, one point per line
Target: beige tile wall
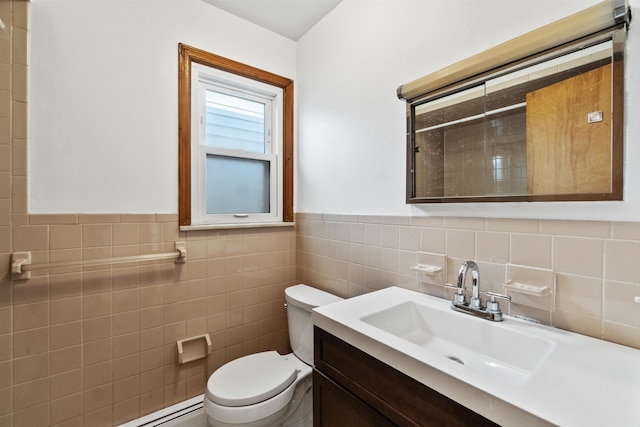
95 346
590 267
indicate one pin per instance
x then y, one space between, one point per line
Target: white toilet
267 389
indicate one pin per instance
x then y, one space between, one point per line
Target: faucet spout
475 281
474 307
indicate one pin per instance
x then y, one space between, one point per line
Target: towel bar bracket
181 247
18 260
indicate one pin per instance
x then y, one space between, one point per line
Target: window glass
237 185
234 122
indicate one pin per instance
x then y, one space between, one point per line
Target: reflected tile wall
496 164
589 266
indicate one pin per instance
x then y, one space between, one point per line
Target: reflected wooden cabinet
353 389
568 111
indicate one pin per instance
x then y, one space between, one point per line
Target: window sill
236 226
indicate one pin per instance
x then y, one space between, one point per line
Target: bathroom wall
105 73
95 346
588 267
351 153
356 234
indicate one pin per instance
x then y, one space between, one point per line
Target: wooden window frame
187 55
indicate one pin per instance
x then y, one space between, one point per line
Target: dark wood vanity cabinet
351 388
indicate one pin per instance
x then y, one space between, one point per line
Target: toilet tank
301 299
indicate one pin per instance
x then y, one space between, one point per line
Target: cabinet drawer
400 398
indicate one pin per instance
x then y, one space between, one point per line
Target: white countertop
582 382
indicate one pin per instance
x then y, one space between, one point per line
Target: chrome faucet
491 311
475 281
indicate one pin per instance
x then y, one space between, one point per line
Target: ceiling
289 18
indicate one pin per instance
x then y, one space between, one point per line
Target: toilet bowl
269 389
256 390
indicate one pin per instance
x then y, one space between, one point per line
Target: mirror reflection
542 132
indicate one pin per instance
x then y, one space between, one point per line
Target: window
235 143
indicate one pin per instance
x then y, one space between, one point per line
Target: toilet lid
250 379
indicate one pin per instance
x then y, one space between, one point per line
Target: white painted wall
103 99
351 150
103 125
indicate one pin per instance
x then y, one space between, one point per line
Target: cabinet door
388 392
566 153
333 406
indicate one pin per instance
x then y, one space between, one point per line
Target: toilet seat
251 379
266 412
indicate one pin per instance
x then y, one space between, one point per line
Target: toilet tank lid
306 297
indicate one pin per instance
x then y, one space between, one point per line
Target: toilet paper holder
194 348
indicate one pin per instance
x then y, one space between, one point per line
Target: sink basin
499 351
506 371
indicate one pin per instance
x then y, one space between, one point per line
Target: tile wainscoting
589 267
97 345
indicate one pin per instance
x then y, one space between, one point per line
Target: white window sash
207 78
239 217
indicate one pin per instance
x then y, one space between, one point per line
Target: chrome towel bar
21 266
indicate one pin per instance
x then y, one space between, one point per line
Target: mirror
546 129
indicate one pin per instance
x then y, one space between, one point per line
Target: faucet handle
459 296
493 296
492 304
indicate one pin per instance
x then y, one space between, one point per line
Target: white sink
513 372
491 347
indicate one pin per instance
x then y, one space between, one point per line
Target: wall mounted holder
521 288
194 348
21 266
429 270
